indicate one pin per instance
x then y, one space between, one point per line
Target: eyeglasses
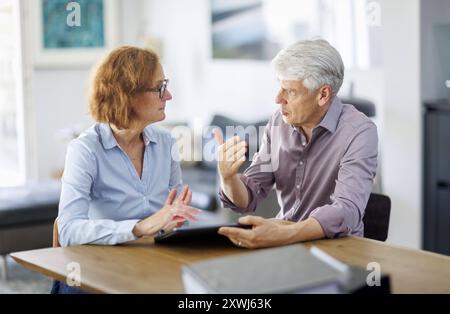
161 89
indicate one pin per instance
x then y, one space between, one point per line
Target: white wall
59 102
401 146
59 96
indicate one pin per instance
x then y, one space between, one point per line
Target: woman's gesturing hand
174 214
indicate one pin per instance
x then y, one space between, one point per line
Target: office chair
55 234
55 244
376 217
365 106
56 284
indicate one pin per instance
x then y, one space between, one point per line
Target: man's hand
231 154
264 233
174 214
272 232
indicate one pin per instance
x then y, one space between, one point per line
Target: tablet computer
193 235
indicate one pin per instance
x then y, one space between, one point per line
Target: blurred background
217 55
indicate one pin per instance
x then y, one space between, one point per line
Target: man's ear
324 96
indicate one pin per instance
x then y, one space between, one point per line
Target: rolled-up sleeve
353 186
75 227
258 177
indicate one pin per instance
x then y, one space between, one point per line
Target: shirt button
301 163
298 187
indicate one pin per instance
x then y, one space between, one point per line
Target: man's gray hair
315 62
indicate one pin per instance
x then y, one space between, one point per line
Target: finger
185 216
187 213
232 141
171 197
180 224
240 233
173 224
188 198
236 165
193 209
237 145
233 144
183 194
227 145
188 209
218 136
237 242
234 156
170 224
232 151
168 228
241 152
252 220
191 217
177 220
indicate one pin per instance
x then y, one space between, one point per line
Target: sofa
27 214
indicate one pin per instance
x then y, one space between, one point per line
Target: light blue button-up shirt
102 195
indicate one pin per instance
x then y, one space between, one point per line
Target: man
321 156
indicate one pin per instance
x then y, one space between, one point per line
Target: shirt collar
149 136
109 141
331 118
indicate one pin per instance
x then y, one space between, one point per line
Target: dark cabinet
436 200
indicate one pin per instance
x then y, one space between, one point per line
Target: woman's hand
174 214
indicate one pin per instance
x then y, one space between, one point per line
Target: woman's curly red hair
119 76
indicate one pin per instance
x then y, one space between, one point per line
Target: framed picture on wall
73 33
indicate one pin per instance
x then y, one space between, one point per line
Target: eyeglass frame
162 89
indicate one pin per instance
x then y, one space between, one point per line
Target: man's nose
167 95
279 99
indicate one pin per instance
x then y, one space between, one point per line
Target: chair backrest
365 106
55 234
376 217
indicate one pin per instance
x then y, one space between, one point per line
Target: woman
121 179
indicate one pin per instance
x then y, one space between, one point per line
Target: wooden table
143 267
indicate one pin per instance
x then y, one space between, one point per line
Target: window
11 156
258 29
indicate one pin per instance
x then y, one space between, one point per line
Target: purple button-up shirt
330 178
